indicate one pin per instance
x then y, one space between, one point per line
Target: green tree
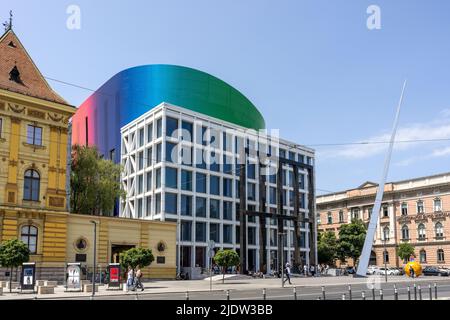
327 247
405 250
135 257
94 182
12 254
351 240
226 259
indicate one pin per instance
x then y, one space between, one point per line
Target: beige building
416 211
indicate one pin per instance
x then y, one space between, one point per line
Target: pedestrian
288 273
138 282
130 279
411 271
312 270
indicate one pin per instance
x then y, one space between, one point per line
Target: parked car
393 271
388 271
372 270
434 271
350 270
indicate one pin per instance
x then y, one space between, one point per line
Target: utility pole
384 258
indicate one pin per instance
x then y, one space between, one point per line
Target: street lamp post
385 260
95 257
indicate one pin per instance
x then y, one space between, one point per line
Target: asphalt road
334 292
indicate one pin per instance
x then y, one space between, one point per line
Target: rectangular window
187 128
158 203
149 157
112 153
171 203
186 156
273 195
186 231
171 127
171 152
141 137
171 178
214 162
158 153
227 233
200 160
200 232
227 142
251 235
140 188
214 232
200 180
214 185
148 206
141 160
251 171
186 180
159 128
227 187
149 132
214 209
34 135
186 205
227 210
200 207
227 165
139 208
158 178
251 191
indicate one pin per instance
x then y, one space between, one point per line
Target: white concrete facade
185 191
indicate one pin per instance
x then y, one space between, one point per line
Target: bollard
323 293
395 292
381 294
187 295
295 293
435 291
363 294
415 292
409 293
350 292
420 293
343 296
373 293
431 292
228 294
264 294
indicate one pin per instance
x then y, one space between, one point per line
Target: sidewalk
182 286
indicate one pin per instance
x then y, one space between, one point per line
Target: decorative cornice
36 114
16 108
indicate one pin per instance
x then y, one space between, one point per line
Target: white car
372 270
388 271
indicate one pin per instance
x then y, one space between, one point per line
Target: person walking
288 273
130 279
312 270
305 270
138 278
411 271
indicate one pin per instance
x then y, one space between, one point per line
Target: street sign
73 276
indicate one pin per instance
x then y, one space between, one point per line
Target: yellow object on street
415 266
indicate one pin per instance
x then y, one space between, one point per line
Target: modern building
34 142
144 116
414 211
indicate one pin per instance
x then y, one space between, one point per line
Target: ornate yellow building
33 174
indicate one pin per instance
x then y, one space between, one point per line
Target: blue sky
313 68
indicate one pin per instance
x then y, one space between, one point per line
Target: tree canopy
226 259
94 182
12 254
351 240
405 250
135 257
327 247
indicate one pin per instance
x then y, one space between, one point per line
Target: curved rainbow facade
133 92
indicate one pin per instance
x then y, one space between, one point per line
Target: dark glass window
150 132
149 157
252 235
34 135
251 171
227 210
186 180
200 207
200 182
186 231
214 185
200 160
227 187
31 185
187 130
227 165
214 162
171 152
171 127
251 191
158 203
141 137
186 156
227 233
171 178
158 178
140 184
186 205
214 209
158 153
159 128
171 203
200 232
29 236
141 160
214 232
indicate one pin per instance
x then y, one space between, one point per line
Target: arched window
386 233
437 205
341 216
31 185
385 256
423 256
420 206
330 218
439 230
405 232
29 234
440 255
421 231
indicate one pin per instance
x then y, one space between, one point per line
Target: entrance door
116 250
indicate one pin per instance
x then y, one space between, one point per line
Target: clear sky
312 67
